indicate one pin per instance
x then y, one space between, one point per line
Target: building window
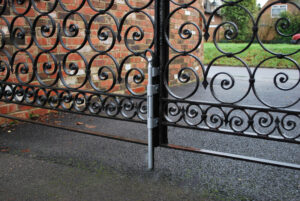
277 9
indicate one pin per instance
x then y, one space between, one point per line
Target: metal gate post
152 122
157 134
163 54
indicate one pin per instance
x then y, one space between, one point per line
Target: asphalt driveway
43 163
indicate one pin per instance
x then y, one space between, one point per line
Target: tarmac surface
43 163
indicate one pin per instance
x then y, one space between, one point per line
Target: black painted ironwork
269 121
227 111
59 94
233 117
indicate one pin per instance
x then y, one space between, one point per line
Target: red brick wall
119 50
179 18
214 23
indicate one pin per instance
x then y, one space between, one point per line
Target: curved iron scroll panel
22 82
185 109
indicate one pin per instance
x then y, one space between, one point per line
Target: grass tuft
253 55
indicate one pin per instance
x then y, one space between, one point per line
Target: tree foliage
241 18
289 23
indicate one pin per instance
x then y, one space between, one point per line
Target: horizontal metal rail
74 112
72 90
233 156
224 132
93 133
234 106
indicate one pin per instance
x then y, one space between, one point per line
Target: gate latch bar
155 71
152 123
152 89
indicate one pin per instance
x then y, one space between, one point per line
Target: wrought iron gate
49 52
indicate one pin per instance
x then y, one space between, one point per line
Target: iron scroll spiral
43 78
230 116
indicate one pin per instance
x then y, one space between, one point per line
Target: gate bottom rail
167 146
93 133
233 156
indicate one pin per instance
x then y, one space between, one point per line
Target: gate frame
156 94
158 136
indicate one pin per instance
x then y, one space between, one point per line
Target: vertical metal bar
157 134
150 118
156 63
164 10
153 99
